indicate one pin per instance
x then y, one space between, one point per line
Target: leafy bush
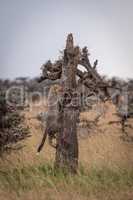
12 129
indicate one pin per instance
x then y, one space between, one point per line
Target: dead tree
66 70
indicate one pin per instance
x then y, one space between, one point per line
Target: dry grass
101 149
43 182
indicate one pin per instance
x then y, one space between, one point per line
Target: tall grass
24 179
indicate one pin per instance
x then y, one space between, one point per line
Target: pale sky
33 31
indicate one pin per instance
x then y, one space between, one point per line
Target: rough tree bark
67 142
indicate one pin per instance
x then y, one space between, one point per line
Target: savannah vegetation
103 165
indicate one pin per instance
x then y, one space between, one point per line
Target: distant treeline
31 88
32 83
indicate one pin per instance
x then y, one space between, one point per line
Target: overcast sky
33 31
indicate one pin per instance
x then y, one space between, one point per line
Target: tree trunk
67 143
